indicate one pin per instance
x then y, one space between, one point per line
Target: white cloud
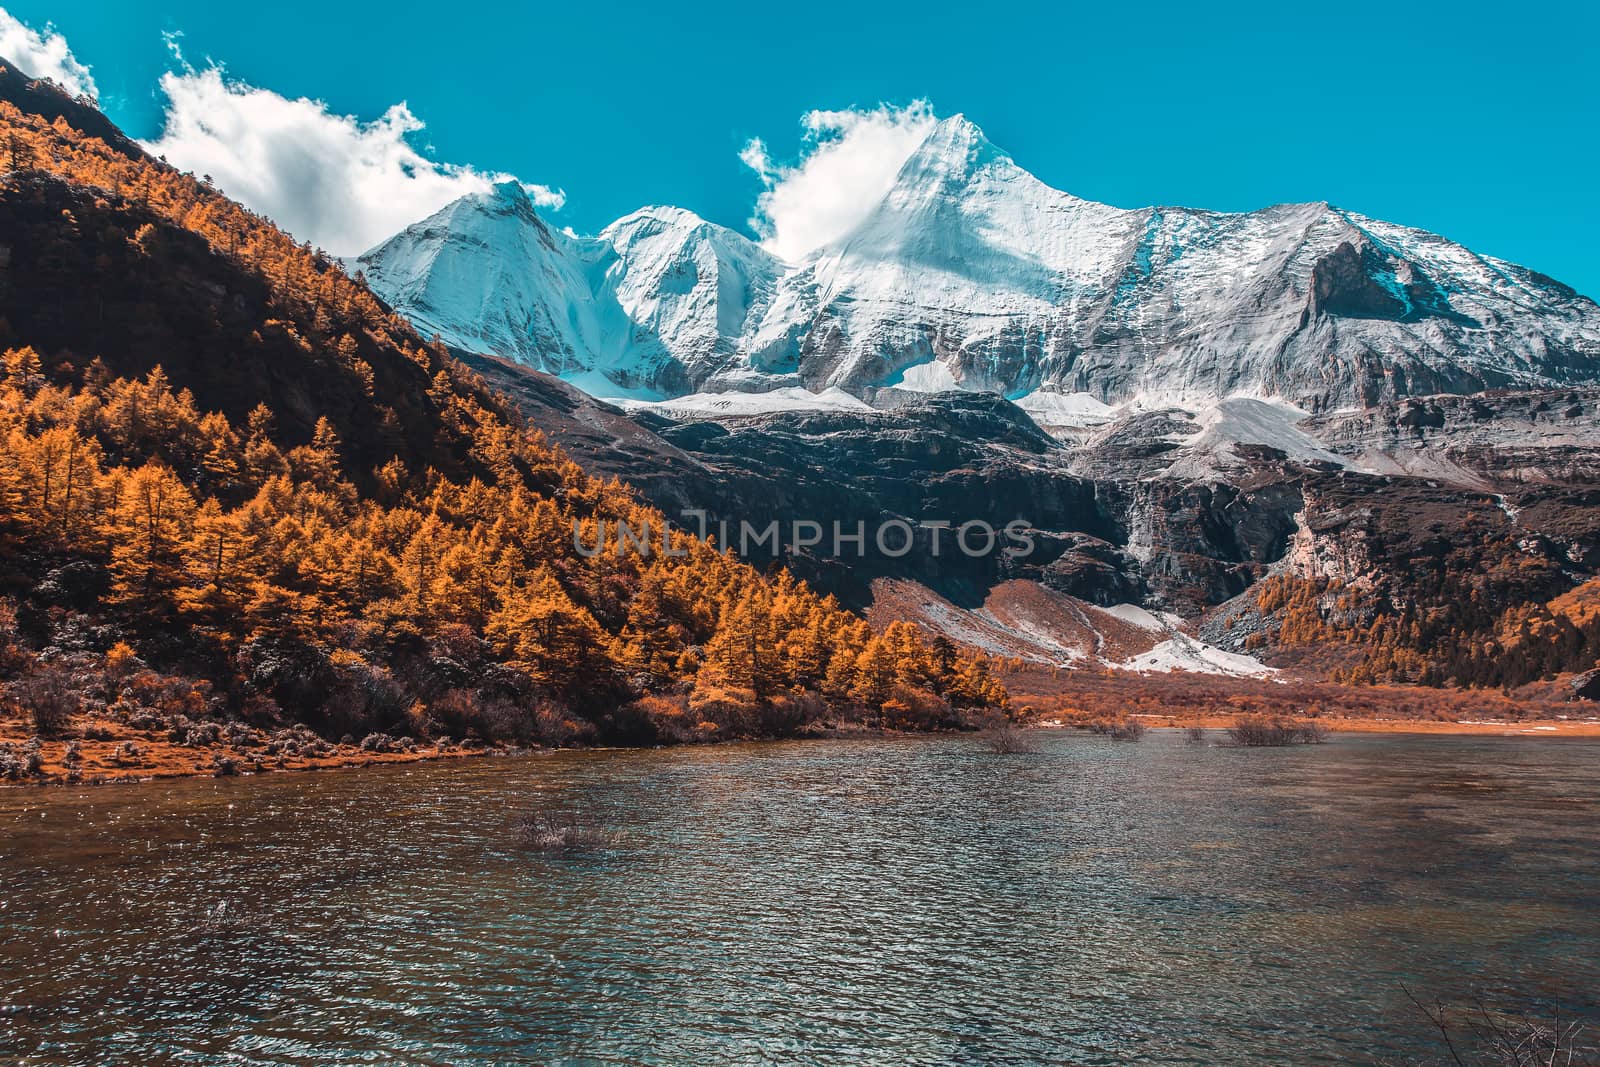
43 55
330 179
848 161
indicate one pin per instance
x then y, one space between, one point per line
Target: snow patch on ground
600 387
1040 635
722 405
1246 421
961 627
1181 652
1023 620
1134 615
1049 409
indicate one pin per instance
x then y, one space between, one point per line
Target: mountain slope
237 492
972 273
1442 490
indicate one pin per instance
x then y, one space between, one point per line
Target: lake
898 901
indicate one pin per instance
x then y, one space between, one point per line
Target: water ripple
887 902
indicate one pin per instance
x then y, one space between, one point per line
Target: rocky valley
1180 404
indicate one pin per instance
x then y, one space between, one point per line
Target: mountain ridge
974 270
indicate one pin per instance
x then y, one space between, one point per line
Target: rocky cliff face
1489 440
972 274
1109 522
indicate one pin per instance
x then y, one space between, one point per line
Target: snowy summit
971 273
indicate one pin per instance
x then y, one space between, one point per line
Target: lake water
903 901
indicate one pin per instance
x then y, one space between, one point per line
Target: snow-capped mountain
652 305
971 273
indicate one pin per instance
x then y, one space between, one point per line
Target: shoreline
99 763
1586 727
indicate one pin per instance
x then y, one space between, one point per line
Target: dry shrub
499 718
1312 732
456 642
561 833
48 697
1259 731
790 714
1128 730
13 656
733 712
167 696
1484 1037
503 719
1006 738
1124 728
24 761
668 715
1194 735
363 695
918 709
454 713
421 723
555 725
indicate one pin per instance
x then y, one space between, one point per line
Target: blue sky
1477 121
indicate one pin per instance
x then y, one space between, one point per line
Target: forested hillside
235 485
1456 637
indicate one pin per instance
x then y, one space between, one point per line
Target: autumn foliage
1459 638
312 514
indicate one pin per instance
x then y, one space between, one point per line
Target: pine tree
740 654
545 633
650 642
59 470
419 565
19 154
806 650
24 370
221 458
318 462
875 673
262 458
215 579
155 516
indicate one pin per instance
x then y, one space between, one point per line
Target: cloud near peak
327 178
346 184
44 55
848 160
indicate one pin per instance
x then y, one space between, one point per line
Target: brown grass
1081 697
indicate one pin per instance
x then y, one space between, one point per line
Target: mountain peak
511 193
654 217
957 128
952 152
970 270
504 209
